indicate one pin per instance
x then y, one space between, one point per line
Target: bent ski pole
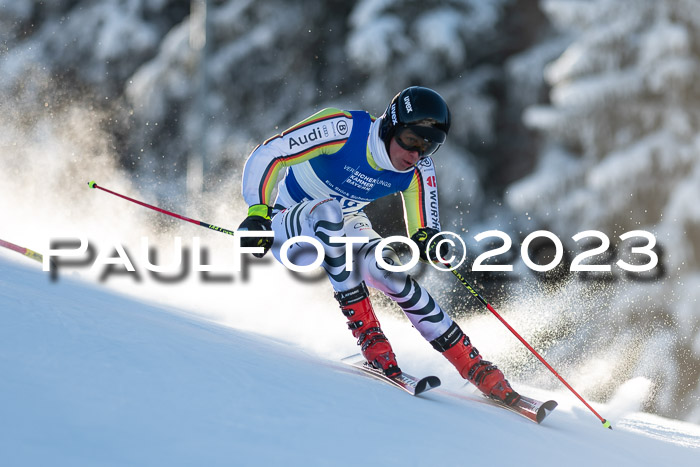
478 296
203 224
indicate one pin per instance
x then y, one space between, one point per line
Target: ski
530 408
412 385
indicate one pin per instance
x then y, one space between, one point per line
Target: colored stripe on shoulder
325 114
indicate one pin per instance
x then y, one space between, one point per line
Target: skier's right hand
258 219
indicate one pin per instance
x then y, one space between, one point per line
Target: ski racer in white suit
324 171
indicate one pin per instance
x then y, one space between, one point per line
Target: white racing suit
325 170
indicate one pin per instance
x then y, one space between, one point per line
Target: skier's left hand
427 251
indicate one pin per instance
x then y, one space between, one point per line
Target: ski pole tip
606 424
92 184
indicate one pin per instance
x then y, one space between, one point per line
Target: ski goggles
422 139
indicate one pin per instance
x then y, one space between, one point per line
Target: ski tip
427 383
606 424
545 409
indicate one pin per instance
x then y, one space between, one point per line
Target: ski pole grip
92 184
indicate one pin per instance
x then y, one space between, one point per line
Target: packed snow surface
94 377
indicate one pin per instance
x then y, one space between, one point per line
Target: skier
325 170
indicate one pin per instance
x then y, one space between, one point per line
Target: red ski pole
22 250
203 224
478 296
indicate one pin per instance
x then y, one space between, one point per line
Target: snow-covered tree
264 65
620 153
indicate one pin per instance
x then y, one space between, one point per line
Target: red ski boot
363 323
457 348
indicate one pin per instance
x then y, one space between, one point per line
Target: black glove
258 219
427 252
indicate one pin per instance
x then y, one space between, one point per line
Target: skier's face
401 158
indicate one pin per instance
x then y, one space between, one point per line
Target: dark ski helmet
421 111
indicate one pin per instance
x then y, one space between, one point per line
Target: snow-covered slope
90 377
